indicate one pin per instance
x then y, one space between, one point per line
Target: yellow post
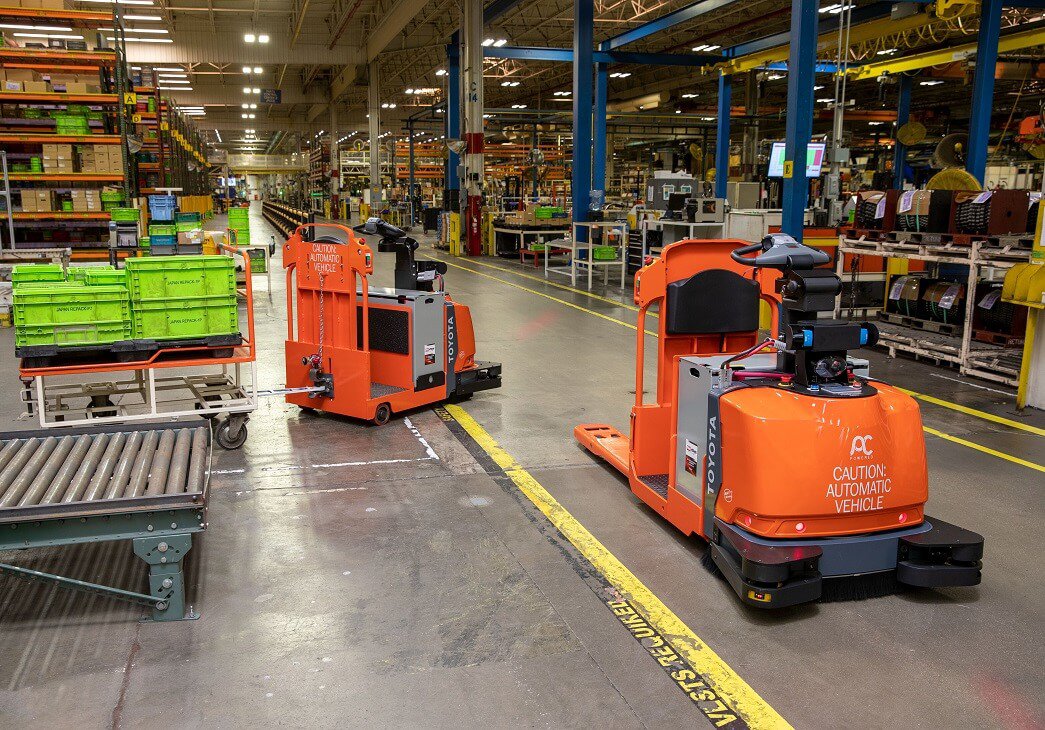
1037 256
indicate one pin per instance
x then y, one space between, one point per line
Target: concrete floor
426 591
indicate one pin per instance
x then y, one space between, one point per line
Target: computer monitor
815 152
677 201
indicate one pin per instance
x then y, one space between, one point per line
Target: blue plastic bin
162 207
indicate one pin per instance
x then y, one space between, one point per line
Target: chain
322 321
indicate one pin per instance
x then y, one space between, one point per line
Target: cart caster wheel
383 414
228 442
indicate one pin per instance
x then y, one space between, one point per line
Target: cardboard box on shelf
12 85
51 4
22 74
36 87
28 202
81 87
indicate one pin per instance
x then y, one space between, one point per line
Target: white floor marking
973 385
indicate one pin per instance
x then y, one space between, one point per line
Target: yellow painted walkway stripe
549 296
974 413
741 697
927 398
556 284
985 449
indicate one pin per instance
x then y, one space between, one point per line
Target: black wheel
225 440
383 414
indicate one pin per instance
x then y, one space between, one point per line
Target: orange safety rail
245 352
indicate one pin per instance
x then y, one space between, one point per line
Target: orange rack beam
55 97
8 57
76 18
61 138
58 177
60 215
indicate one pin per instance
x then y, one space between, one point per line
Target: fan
457 146
950 155
911 133
950 152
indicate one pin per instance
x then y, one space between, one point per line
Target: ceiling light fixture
48 28
168 68
246 69
49 35
929 83
258 69
705 47
690 96
142 17
440 72
263 38
249 38
141 40
159 31
253 106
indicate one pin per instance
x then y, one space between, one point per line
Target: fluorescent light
705 47
258 69
172 76
929 83
48 28
255 90
174 81
48 35
263 38
826 100
244 106
409 91
561 93
488 42
121 2
159 31
440 72
500 42
174 88
143 40
887 51
249 37
142 17
253 106
620 74
168 68
690 96
246 69
775 77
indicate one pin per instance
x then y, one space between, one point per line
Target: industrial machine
368 352
807 479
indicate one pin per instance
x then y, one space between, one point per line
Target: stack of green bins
33 273
70 314
239 221
182 297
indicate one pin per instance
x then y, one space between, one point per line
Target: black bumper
779 573
484 376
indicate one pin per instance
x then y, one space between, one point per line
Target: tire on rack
227 442
383 414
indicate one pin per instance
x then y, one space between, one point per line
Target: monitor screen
677 201
814 159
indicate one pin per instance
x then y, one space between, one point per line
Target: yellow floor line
973 412
985 449
927 398
557 285
739 695
549 296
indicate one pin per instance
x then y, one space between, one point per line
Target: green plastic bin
106 276
180 278
163 229
78 274
604 253
124 214
25 273
71 314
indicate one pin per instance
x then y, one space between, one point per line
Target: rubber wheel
383 414
227 442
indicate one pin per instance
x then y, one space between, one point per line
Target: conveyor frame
160 527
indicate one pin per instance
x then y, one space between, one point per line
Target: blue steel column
903 115
598 162
453 108
583 37
983 87
725 106
801 67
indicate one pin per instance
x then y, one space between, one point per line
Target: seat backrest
714 301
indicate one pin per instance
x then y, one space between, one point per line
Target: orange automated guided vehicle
368 352
807 479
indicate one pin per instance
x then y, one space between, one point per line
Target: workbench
539 234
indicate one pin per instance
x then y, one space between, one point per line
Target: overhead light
48 28
826 99
174 88
518 106
775 77
875 124
263 38
929 83
172 76
142 17
509 83
168 68
174 81
440 72
253 106
561 93
159 31
678 111
690 96
500 42
49 35
620 74
488 42
255 90
246 69
705 47
409 91
258 69
128 39
121 2
887 51
818 87
244 106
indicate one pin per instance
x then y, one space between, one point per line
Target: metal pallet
146 483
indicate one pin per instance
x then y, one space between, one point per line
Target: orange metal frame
245 352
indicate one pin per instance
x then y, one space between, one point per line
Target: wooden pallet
927 325
1001 339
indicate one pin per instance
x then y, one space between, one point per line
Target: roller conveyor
144 483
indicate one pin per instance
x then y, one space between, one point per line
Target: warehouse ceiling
317 50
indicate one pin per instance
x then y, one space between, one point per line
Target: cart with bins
172 381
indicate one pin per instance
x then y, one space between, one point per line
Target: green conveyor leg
166 578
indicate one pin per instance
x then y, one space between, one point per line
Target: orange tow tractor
807 479
368 352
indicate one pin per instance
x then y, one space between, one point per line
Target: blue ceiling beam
565 55
682 15
821 67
